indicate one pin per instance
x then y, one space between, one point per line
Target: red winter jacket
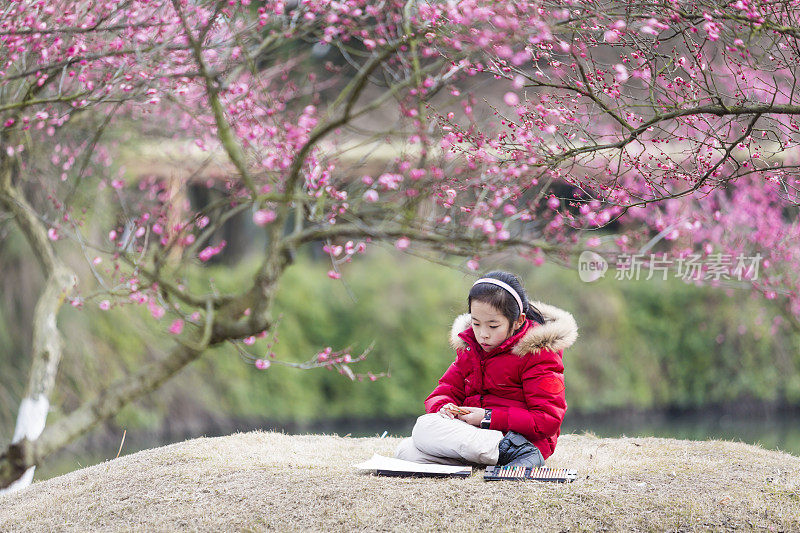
521 381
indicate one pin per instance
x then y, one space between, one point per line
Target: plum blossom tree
509 126
218 75
58 65
671 123
744 235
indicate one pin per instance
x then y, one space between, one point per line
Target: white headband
505 286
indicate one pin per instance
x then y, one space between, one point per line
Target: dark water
777 430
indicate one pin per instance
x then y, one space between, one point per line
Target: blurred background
655 357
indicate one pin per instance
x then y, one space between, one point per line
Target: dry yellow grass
274 482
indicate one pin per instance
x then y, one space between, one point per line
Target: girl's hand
474 416
449 410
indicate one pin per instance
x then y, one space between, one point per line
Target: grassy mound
270 481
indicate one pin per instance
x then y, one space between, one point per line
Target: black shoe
516 450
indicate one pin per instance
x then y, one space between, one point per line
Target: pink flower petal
262 217
511 99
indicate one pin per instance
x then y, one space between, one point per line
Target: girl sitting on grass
502 401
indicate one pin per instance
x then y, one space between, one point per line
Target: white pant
441 440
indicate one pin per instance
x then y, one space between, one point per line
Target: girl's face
491 328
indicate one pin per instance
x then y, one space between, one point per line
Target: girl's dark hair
501 299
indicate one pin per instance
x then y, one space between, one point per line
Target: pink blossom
333 274
176 327
262 364
520 58
713 30
52 234
105 305
472 264
138 297
206 254
262 217
402 243
371 195
553 203
156 310
390 181
417 173
622 73
511 99
335 250
324 354
210 251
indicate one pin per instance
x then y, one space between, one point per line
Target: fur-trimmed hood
558 332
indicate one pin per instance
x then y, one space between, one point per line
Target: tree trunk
30 424
47 345
33 442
